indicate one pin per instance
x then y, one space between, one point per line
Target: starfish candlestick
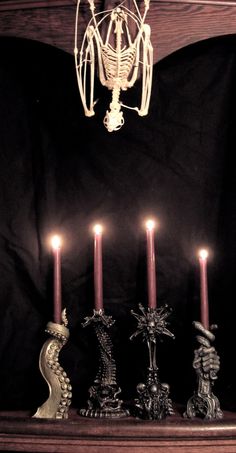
153 400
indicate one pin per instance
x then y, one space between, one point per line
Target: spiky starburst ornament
153 400
152 323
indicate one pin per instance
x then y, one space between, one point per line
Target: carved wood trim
200 2
8 5
19 432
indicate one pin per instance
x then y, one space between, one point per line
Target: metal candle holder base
103 399
58 402
206 363
153 402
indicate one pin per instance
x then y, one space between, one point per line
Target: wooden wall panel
8 5
54 26
178 24
174 24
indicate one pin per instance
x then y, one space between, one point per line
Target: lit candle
56 249
98 283
203 255
151 267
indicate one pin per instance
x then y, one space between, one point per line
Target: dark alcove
61 171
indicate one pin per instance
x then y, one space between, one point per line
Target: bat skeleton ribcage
118 70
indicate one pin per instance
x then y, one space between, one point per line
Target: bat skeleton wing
121 57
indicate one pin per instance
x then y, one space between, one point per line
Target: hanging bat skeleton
120 59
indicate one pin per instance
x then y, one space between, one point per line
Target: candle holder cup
60 390
103 399
153 400
206 363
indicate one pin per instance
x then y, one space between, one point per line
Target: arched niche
173 163
185 151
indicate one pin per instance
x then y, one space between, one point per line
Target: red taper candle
57 305
151 265
98 274
203 255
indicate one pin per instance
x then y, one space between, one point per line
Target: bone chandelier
117 42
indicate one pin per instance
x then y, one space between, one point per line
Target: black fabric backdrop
60 171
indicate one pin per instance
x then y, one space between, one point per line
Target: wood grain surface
175 24
19 432
6 5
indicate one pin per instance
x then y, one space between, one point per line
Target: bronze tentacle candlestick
58 402
153 400
206 364
103 394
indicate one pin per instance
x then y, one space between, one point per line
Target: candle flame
98 229
56 242
150 225
203 254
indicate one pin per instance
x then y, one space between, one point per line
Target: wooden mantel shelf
19 432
